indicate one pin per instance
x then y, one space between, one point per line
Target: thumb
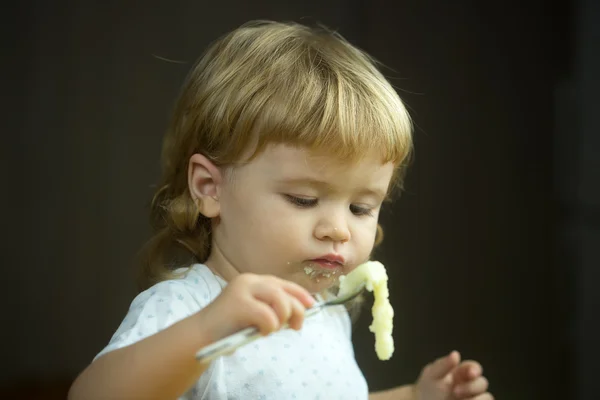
442 366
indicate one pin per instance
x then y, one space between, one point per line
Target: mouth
326 264
329 261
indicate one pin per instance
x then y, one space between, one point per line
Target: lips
326 264
330 261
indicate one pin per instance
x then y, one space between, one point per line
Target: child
284 144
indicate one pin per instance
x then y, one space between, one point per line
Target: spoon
229 344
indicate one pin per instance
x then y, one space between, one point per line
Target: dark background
493 249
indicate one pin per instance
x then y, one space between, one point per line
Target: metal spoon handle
229 344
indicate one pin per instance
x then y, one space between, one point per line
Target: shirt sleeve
156 309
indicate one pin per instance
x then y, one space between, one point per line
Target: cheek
271 221
364 235
274 240
280 222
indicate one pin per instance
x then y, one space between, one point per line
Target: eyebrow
328 186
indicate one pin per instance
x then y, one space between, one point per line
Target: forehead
282 162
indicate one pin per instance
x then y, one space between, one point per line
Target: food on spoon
373 275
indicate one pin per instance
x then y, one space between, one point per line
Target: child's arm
163 365
160 366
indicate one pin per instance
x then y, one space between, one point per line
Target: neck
220 265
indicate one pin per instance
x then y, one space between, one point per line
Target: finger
442 366
282 305
467 371
297 317
277 298
263 316
298 292
472 388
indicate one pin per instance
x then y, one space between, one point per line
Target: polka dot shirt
316 362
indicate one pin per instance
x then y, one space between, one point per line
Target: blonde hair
268 82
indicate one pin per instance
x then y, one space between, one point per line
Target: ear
204 181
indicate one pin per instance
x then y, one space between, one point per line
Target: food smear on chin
317 273
374 276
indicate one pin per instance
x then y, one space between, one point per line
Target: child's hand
449 379
263 301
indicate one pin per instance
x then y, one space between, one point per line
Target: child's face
298 215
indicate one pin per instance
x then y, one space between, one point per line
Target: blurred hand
447 378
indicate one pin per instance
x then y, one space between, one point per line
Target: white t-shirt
316 362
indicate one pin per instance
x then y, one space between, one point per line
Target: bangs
340 115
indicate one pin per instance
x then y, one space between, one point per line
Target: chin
317 283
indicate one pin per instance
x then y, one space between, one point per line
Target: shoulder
166 303
196 285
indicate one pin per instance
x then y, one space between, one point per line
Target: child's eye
303 202
360 210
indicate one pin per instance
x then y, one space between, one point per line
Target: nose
333 227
